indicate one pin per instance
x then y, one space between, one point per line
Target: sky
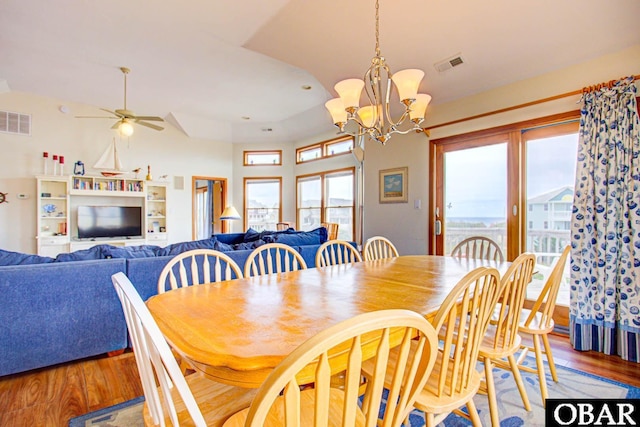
476 178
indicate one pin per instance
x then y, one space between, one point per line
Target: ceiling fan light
125 128
349 91
407 82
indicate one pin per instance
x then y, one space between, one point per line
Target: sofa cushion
18 258
142 251
178 248
94 252
251 235
302 238
222 247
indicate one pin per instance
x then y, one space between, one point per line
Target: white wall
168 152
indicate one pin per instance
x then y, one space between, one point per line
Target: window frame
324 147
247 153
323 195
249 180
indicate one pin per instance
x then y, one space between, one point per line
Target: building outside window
262 203
327 197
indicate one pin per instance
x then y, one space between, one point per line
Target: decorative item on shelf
109 164
148 178
375 119
55 164
163 229
45 162
48 209
3 198
78 168
136 171
61 160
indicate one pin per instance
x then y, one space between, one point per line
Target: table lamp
229 213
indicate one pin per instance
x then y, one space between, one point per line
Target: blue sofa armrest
58 312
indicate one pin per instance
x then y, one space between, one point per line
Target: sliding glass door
513 185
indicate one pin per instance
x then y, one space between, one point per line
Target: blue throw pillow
178 248
222 247
251 235
18 258
302 238
95 252
141 251
248 245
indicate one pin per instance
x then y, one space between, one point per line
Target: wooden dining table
237 331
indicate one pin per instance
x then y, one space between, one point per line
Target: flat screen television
109 221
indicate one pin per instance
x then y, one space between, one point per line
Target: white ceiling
205 64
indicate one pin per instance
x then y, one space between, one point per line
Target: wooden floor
50 397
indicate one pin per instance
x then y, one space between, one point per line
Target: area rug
572 384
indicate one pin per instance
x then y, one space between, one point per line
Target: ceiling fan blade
112 112
150 118
115 126
95 117
149 125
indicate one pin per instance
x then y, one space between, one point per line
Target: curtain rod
528 104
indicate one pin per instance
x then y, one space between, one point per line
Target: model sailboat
109 164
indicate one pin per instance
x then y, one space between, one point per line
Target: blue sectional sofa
63 309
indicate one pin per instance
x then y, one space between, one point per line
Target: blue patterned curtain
605 255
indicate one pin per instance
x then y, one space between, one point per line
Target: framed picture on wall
394 184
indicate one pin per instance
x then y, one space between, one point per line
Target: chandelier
375 119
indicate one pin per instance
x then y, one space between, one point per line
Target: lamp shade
125 128
407 82
419 107
367 115
230 213
336 109
349 91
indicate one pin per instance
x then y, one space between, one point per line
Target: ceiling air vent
15 123
449 63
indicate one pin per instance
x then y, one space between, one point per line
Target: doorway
209 197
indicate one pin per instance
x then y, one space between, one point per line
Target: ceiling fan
126 118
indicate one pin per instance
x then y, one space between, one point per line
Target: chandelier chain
377 28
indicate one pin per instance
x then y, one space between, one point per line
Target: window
333 147
262 203
327 197
262 158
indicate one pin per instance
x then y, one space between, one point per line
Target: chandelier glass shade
375 119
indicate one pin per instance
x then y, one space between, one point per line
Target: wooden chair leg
540 364
491 393
473 414
430 420
547 350
516 375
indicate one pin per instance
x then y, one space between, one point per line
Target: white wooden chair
333 252
298 392
502 340
332 229
461 323
200 262
538 323
170 398
478 247
378 247
273 258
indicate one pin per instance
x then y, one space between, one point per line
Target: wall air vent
15 123
449 63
